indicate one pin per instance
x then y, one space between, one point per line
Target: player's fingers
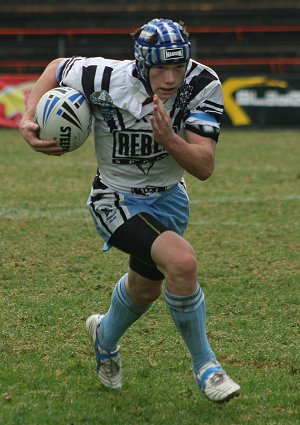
33 126
153 123
28 124
46 143
50 147
161 111
158 114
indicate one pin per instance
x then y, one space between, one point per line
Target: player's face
165 79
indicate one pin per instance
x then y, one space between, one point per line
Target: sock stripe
188 303
121 292
183 298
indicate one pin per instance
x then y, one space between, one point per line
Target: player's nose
169 76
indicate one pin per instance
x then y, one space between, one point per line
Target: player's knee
183 266
174 256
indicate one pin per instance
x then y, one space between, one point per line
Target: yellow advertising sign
236 113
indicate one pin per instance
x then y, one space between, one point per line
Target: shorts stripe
149 224
117 204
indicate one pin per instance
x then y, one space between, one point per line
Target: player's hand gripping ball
63 115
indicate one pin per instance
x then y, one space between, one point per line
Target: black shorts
135 237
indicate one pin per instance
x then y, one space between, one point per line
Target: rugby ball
63 114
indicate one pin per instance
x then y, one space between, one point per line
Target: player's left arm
195 153
28 128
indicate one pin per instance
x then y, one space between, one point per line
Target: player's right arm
28 128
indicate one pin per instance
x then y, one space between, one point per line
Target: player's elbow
206 170
205 174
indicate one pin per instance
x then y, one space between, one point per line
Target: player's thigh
136 237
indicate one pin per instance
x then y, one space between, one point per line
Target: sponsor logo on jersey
173 54
103 101
138 148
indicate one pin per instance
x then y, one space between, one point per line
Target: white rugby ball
63 114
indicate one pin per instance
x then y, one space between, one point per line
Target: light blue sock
121 314
189 315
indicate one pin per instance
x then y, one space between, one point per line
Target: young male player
154 118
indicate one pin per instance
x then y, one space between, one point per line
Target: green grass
245 229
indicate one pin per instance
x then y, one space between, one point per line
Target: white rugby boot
216 385
108 364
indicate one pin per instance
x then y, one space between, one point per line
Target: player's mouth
168 90
166 93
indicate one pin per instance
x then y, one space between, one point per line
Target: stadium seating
234 37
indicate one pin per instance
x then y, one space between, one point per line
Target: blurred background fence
254 46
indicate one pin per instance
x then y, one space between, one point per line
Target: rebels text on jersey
127 155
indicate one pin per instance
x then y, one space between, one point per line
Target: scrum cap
161 41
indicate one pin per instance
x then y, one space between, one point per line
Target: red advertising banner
14 90
250 101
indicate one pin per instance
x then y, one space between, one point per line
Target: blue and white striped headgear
160 42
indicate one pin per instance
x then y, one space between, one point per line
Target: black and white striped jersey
127 155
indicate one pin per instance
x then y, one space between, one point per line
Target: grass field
245 229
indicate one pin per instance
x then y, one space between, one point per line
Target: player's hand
161 123
30 130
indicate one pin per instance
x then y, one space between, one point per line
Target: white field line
259 168
226 223
50 214
60 212
245 200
